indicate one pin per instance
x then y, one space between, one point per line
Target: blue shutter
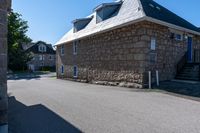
75 71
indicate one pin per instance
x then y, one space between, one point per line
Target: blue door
189 49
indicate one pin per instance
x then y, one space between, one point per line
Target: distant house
123 40
43 55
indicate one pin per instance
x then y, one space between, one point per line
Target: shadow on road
30 76
183 88
36 119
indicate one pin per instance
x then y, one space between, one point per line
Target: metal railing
182 62
196 56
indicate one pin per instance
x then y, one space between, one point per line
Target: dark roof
154 10
34 48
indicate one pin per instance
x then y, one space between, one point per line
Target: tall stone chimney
5 7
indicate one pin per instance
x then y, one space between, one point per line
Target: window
40 57
42 64
50 57
42 48
151 5
62 50
178 37
75 43
107 10
75 74
153 44
62 69
33 58
158 8
80 24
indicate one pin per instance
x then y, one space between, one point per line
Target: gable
35 49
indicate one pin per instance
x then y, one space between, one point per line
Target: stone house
123 40
43 56
5 6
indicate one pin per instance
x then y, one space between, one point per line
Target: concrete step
187 78
189 72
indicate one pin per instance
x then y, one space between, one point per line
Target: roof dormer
80 24
107 10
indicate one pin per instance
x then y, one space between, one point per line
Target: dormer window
42 48
80 24
107 10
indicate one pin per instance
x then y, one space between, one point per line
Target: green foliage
17 29
48 68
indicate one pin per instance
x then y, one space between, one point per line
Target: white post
149 79
157 78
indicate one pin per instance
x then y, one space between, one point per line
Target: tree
17 28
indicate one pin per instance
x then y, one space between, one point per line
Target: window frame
50 57
75 71
62 69
75 47
153 44
62 51
42 48
176 37
41 57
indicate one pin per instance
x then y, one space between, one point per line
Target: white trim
171 25
103 31
150 19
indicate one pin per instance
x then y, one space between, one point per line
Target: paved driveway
49 105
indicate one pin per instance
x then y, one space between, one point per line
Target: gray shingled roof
161 13
131 11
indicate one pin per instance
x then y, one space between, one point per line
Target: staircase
190 71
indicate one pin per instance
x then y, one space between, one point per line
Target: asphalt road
49 105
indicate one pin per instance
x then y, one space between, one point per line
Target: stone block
3 60
140 44
3 17
3 47
139 57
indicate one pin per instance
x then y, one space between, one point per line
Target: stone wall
4 7
117 55
197 49
167 54
124 55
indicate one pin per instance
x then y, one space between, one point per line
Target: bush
48 68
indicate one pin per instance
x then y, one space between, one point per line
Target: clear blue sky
49 20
